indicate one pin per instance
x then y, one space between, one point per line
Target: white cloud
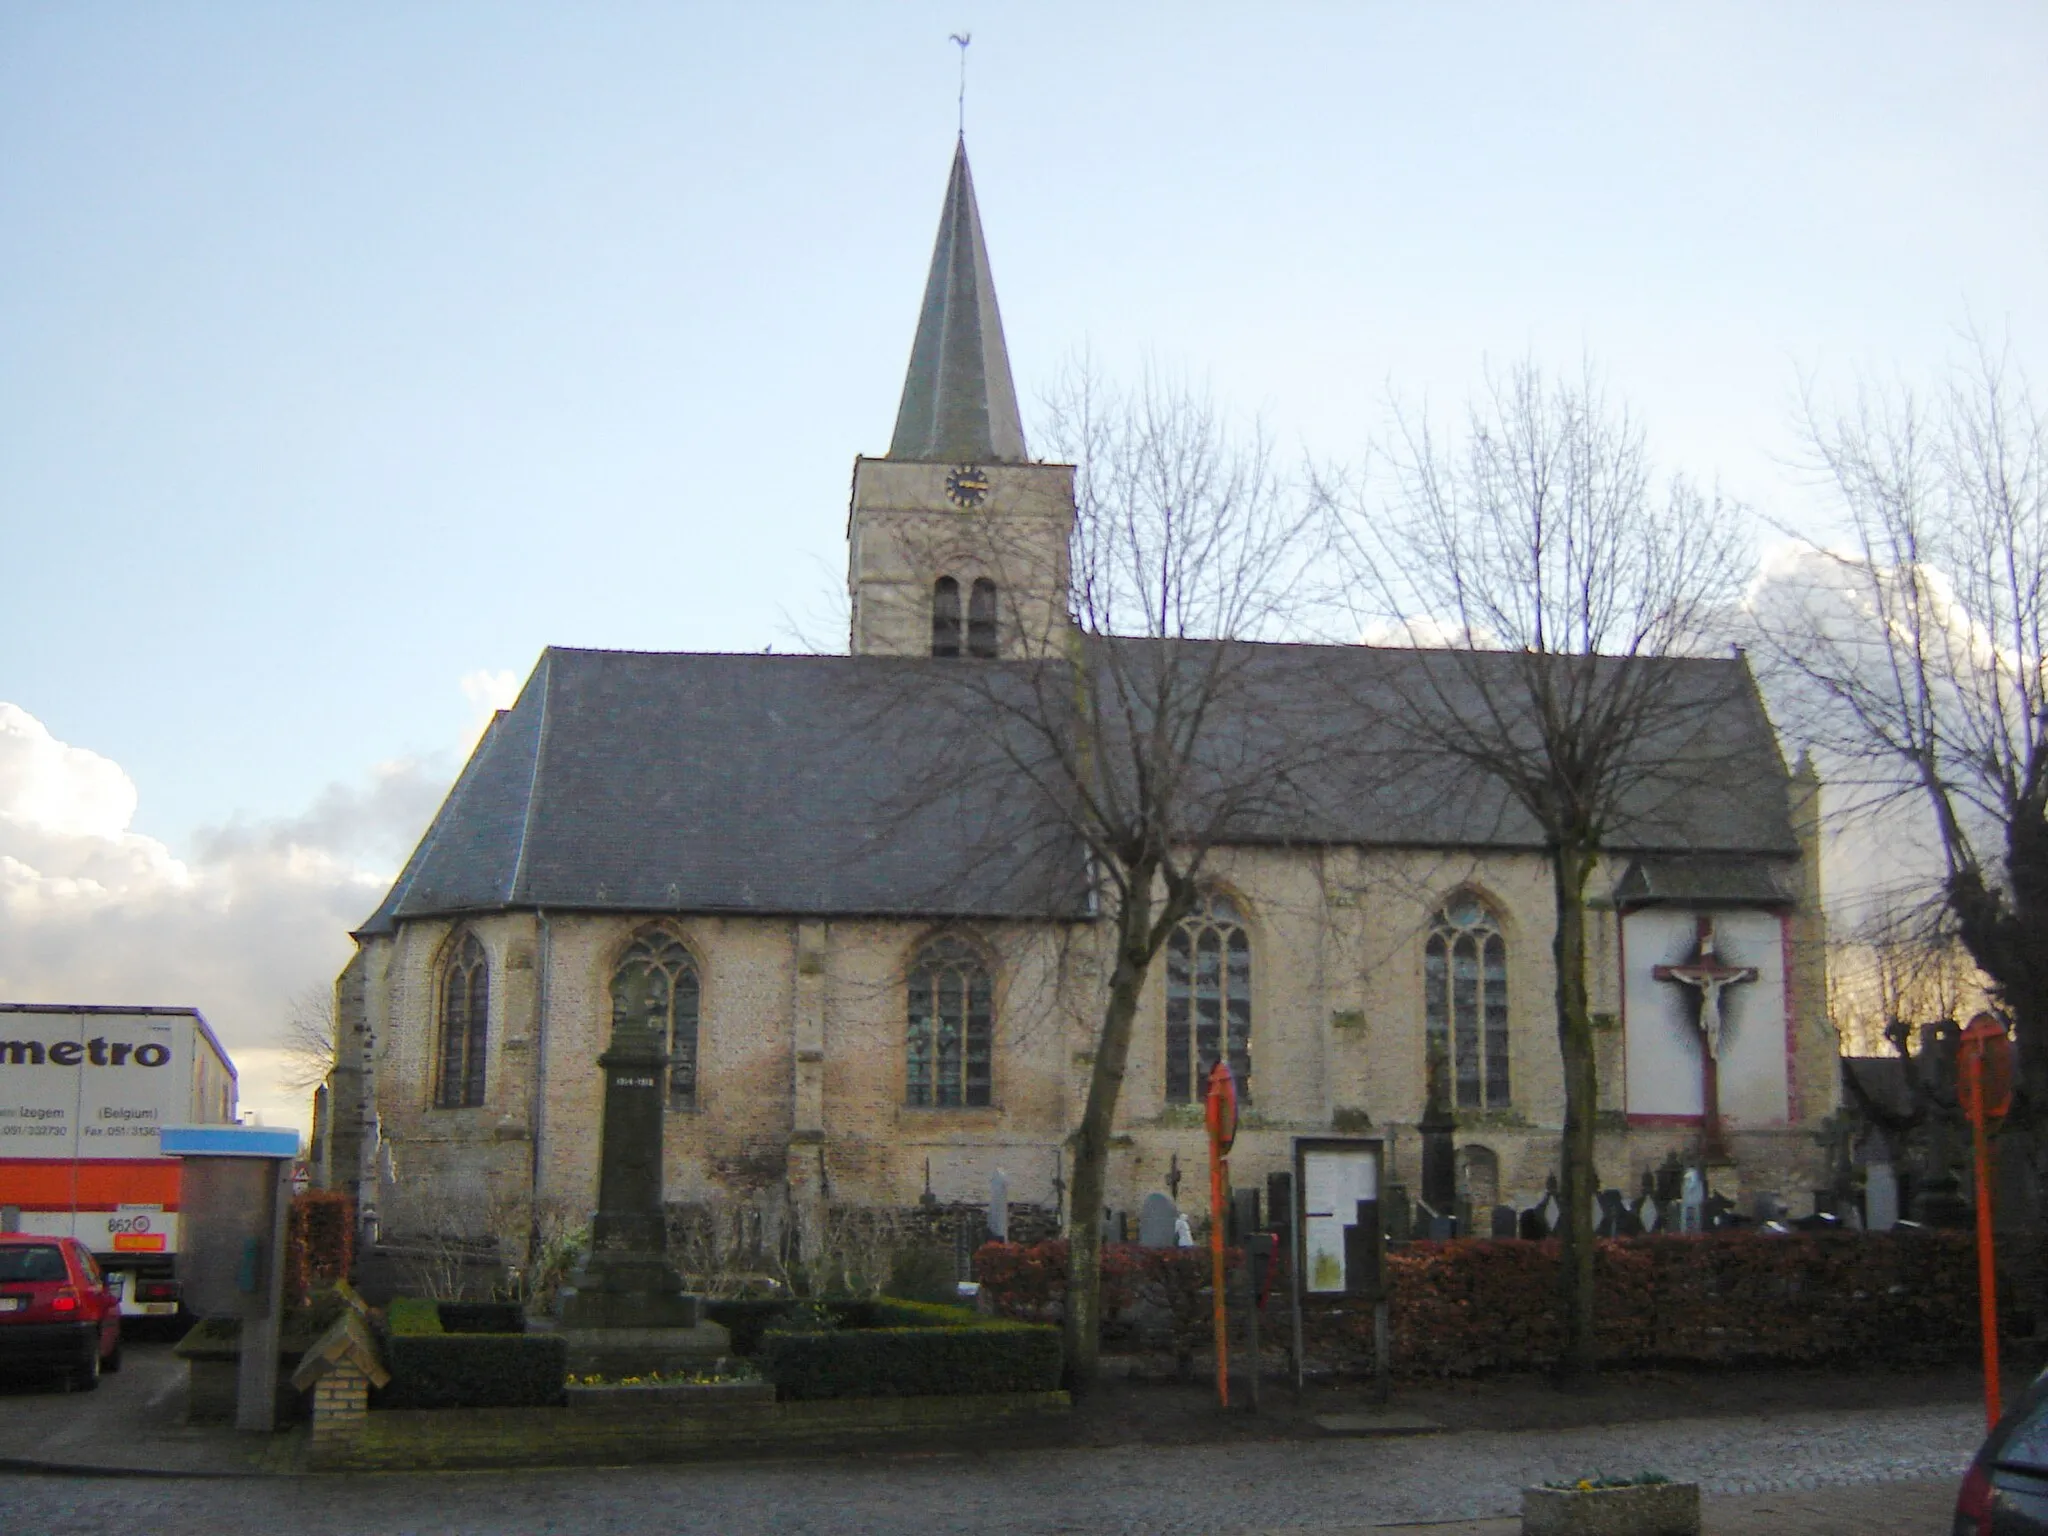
487 692
256 913
1424 631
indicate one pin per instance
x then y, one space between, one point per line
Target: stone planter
1649 1509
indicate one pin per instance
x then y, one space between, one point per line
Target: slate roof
850 786
959 402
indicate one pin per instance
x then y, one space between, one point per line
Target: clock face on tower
967 486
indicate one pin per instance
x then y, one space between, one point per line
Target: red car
56 1310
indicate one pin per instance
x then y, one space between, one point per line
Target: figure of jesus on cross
1706 973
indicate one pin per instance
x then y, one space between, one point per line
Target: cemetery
1328 1277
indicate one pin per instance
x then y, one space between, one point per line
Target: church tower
957 541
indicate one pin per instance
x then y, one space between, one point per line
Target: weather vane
963 39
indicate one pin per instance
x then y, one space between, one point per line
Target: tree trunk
1091 1140
1570 867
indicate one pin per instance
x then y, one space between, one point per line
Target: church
878 1001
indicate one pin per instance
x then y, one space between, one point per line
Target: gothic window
981 618
945 617
465 1011
1208 1000
656 982
1465 1001
950 1042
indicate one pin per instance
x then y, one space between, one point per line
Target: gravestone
1692 1200
1530 1225
1609 1213
1244 1214
1397 1214
1504 1223
1649 1214
999 1206
627 1313
1155 1221
1880 1197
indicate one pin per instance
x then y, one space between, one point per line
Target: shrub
319 1242
926 1358
923 1273
474 1370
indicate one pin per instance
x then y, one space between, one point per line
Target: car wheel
87 1376
112 1362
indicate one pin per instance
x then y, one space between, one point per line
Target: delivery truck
83 1092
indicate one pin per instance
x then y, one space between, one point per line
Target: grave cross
1706 973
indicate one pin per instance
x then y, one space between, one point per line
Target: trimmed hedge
1721 1298
413 1315
1469 1307
896 1348
1173 1286
441 1361
747 1318
474 1370
482 1317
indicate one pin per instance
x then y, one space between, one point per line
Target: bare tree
1135 724
1919 652
1560 581
309 1040
1898 967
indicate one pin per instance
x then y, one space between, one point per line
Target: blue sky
349 351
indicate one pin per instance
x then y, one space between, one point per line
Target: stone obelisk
628 1313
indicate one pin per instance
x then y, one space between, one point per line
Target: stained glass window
655 982
465 1025
949 1046
1208 1000
1465 1002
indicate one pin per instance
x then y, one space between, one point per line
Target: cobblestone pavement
1136 1491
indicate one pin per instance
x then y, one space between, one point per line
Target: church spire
959 404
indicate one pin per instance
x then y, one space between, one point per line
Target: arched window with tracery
981 618
465 1024
945 617
950 1045
655 983
1465 1001
1208 1000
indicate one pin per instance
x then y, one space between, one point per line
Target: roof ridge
545 673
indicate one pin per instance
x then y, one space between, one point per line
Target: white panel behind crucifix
1662 1035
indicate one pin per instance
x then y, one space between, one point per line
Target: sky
349 356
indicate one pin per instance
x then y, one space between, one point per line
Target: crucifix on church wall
1705 976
